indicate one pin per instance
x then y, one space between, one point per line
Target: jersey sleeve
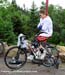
39 26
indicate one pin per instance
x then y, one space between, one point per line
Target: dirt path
30 69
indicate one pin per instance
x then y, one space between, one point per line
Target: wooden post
47 7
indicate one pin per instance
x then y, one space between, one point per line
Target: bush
62 43
63 35
11 38
55 38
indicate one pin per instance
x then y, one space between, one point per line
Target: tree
15 20
43 5
33 19
17 24
1 1
13 2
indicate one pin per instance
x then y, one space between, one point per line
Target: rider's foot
43 55
30 57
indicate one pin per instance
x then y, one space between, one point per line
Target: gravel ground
31 69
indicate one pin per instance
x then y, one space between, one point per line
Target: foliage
15 20
33 21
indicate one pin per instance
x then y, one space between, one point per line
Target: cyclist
46 27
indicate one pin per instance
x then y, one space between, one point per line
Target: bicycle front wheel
15 58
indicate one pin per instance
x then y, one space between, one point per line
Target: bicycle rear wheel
15 52
1 48
55 53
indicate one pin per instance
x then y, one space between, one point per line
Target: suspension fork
17 54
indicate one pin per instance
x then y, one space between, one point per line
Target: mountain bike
20 54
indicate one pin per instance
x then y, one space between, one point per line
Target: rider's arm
39 25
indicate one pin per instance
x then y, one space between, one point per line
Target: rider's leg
43 51
42 39
34 47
